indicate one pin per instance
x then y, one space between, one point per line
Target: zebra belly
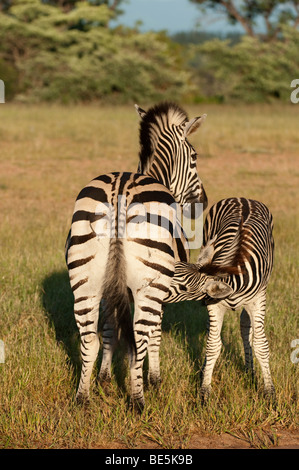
240 298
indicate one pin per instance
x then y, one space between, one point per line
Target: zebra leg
154 377
146 322
86 309
246 333
214 344
110 340
256 310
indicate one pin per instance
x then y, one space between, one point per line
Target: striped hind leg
86 265
256 309
246 333
147 321
214 344
154 377
86 286
110 340
86 309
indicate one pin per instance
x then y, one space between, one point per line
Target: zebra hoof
104 377
270 394
82 400
137 405
205 393
154 381
105 384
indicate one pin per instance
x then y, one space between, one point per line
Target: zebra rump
125 238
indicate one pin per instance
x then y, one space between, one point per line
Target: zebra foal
125 238
232 271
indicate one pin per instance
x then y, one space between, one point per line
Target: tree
275 14
4 5
249 71
68 5
72 55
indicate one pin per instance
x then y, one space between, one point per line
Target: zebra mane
165 115
234 263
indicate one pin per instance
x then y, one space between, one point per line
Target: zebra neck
160 169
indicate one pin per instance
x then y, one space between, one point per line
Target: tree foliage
275 14
74 56
250 71
67 5
62 50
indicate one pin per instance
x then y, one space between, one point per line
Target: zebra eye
183 288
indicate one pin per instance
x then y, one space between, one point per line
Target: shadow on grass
189 319
58 302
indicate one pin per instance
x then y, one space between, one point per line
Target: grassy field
47 154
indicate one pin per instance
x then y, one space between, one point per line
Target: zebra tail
116 296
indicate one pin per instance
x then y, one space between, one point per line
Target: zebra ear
194 124
217 289
206 254
140 111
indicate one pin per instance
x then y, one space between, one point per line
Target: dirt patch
279 440
282 440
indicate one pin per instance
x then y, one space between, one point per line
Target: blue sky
171 15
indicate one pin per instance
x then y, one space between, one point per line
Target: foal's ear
193 125
206 253
140 111
217 289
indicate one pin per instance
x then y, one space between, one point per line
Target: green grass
47 155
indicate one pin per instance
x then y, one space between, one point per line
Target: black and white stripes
124 240
232 271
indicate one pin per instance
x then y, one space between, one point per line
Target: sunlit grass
47 155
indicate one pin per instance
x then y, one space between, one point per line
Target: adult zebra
107 257
233 270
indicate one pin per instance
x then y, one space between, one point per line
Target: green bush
74 56
10 77
251 70
51 55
